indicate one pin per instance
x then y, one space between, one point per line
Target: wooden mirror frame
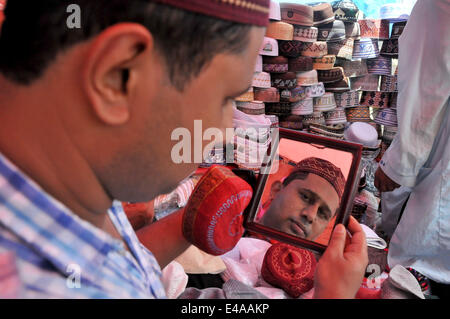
344 211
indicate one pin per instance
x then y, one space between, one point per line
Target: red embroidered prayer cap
2 15
213 216
324 169
289 268
255 12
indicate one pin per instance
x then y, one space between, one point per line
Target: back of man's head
35 32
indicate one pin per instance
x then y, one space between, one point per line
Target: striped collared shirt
59 255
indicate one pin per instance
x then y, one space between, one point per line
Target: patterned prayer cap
255 12
324 169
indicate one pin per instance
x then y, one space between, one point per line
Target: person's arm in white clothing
424 89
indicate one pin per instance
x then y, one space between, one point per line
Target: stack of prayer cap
251 138
252 126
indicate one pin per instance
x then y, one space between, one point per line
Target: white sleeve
424 89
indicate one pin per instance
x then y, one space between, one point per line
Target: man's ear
111 68
275 188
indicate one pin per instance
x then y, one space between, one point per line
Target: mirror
308 187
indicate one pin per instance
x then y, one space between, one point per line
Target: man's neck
36 142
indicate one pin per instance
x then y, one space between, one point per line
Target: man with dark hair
87 116
308 199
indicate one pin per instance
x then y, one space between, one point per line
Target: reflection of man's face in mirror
303 206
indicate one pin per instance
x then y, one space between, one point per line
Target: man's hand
341 269
383 182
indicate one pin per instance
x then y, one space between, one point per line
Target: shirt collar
52 230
